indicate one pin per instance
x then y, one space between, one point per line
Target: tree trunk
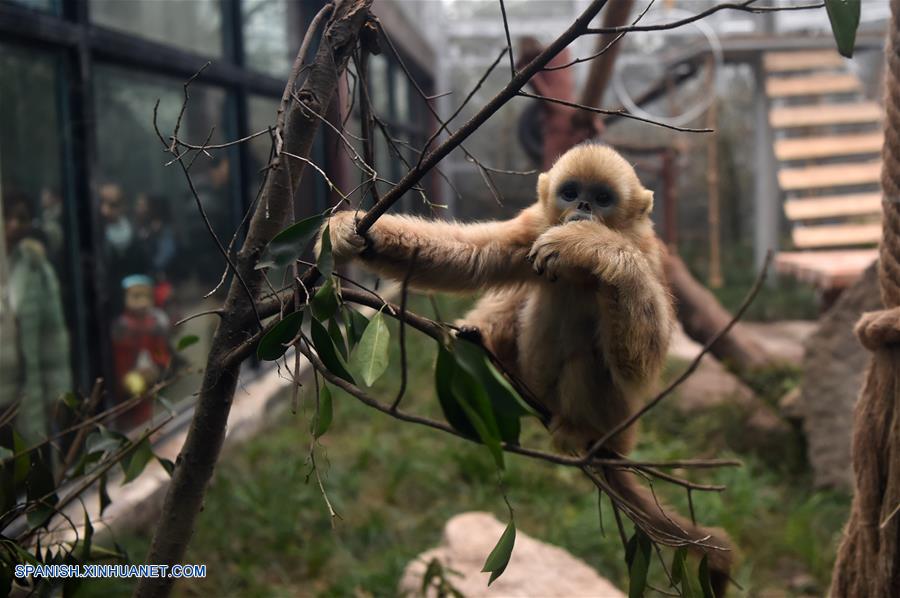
868 560
702 317
197 459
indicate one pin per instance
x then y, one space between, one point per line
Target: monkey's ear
648 202
543 187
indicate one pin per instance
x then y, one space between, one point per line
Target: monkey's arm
636 307
449 256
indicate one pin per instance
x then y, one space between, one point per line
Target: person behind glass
140 341
122 254
35 363
51 223
155 233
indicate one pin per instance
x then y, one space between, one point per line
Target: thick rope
889 274
868 560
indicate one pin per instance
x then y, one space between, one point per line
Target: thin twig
618 112
605 48
403 296
448 120
498 101
208 312
512 61
742 7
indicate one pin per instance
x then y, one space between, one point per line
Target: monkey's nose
584 206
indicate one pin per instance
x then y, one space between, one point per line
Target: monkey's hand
562 251
345 242
587 252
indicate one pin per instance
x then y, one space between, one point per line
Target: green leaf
465 402
499 558
275 342
506 405
104 441
679 568
88 536
325 301
22 463
288 245
6 578
844 17
105 500
638 550
355 323
434 570
135 462
443 382
475 404
40 488
370 358
71 400
186 341
325 261
5 453
704 578
325 412
690 588
167 464
328 353
334 331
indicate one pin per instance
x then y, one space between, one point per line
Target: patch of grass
265 529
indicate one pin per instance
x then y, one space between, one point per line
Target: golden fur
585 325
577 310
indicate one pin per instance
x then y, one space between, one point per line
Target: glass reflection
35 280
149 219
194 25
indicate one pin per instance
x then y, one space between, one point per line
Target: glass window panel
272 34
36 281
194 25
401 97
261 115
46 5
159 259
378 85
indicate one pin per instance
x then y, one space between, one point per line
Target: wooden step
836 235
807 148
829 175
812 85
782 62
834 206
827 269
812 115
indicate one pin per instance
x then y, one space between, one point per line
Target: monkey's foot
471 334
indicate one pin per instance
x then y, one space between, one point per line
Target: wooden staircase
828 140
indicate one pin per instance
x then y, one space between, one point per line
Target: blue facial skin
584 201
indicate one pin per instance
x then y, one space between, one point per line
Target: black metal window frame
81 44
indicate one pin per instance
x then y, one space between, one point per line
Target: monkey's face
578 199
593 182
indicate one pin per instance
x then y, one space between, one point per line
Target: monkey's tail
671 527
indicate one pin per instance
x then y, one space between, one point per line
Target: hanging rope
868 560
890 174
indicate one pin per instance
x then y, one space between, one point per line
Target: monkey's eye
569 192
604 198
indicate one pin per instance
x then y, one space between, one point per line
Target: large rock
833 371
535 569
